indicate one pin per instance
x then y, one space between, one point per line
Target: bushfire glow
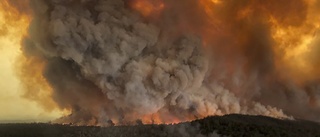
164 61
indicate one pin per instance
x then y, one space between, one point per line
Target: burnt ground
229 125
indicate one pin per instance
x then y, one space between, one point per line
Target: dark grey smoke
110 65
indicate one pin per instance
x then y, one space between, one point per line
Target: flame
26 72
165 117
147 7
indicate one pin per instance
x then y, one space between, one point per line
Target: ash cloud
110 65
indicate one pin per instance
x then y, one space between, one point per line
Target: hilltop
215 126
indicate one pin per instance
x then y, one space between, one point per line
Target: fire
14 23
210 19
165 118
147 7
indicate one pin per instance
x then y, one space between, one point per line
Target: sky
13 106
271 58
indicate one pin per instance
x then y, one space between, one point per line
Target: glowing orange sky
13 106
13 27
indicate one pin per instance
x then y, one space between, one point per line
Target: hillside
229 125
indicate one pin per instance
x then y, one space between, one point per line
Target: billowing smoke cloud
111 62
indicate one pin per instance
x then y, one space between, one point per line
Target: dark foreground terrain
230 125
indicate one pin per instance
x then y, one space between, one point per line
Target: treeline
230 125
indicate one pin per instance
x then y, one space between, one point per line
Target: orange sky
13 107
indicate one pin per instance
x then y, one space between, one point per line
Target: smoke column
163 61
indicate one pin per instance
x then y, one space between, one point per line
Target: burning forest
116 62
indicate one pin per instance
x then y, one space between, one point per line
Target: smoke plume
163 61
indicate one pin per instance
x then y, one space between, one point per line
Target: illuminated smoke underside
111 61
